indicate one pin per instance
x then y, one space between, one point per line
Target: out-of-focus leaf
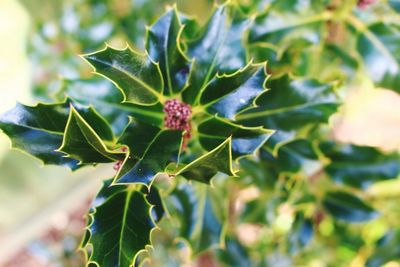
387 250
234 254
379 46
135 74
359 166
245 140
290 105
191 206
347 207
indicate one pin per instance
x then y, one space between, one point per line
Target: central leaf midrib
142 83
126 207
279 110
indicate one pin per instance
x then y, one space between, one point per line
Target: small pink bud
177 117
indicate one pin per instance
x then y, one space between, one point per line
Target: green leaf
288 21
296 155
290 105
196 214
135 74
163 45
379 46
204 168
38 130
347 207
234 254
118 239
218 47
151 149
245 140
359 166
108 101
87 143
228 94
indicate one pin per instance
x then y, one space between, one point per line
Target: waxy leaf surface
135 74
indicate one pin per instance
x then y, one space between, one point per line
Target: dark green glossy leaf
38 130
228 94
245 140
163 47
290 105
194 211
301 233
234 254
117 240
108 101
359 166
150 154
295 155
347 207
207 166
87 143
218 47
379 46
387 250
135 74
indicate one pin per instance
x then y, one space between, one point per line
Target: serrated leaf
347 207
108 101
379 46
290 105
204 168
245 140
135 74
218 47
163 47
191 206
359 166
38 130
117 240
85 142
151 149
228 94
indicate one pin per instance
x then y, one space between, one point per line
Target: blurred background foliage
40 47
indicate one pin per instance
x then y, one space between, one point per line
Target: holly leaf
347 207
107 100
245 140
379 47
359 166
204 168
136 75
38 130
118 239
234 254
196 215
163 45
151 149
228 94
217 47
296 155
288 21
290 105
88 143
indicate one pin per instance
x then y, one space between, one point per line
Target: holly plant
209 111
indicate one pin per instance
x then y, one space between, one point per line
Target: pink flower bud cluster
365 3
177 117
118 164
